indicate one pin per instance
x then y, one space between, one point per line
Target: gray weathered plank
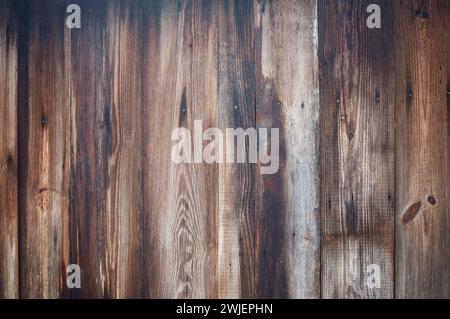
287 97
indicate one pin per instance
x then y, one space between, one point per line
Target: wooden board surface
86 169
106 154
44 152
287 98
423 145
9 241
183 197
357 150
237 189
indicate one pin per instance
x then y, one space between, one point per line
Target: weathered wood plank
106 150
288 243
423 149
158 111
182 198
9 242
44 151
357 150
236 229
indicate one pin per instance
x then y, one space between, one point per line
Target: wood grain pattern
423 145
182 198
9 242
86 175
44 149
188 232
357 150
287 97
237 231
106 154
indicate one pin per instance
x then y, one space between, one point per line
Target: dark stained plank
357 149
106 149
9 243
236 229
181 199
44 151
287 97
423 149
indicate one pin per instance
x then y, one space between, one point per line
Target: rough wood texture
357 150
181 199
9 243
287 97
44 152
236 259
86 175
106 153
423 149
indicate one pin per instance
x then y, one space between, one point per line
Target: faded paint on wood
9 243
357 150
423 149
287 97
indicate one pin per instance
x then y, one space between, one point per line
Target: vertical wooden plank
423 149
106 150
124 196
182 198
9 244
92 225
43 149
357 149
287 97
158 69
236 229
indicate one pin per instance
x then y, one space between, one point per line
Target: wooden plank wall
86 175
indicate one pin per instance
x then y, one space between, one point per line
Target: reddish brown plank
423 149
44 151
